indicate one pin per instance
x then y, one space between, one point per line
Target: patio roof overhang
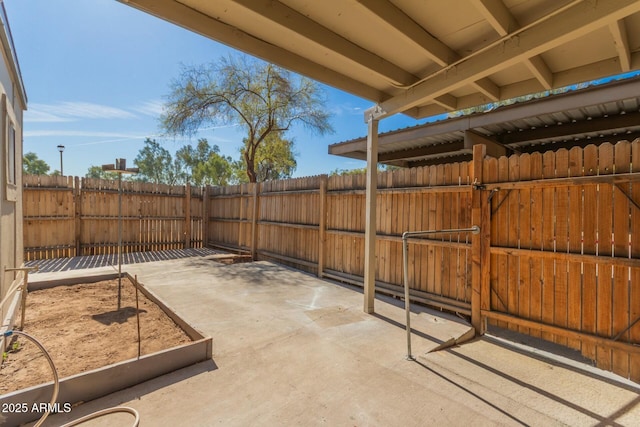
422 58
428 57
607 112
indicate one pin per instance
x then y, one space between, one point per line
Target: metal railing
405 248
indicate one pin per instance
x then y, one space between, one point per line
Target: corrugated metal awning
606 112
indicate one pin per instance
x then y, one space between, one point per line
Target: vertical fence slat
604 285
576 211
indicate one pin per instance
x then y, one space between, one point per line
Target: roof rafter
293 20
619 32
566 25
498 16
503 22
437 51
488 88
447 101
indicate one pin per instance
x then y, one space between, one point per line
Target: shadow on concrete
601 420
470 392
559 363
403 327
95 261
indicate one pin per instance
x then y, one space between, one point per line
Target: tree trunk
249 159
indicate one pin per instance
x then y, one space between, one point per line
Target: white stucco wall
11 228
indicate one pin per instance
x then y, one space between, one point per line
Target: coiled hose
54 371
56 389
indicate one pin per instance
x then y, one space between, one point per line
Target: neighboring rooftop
596 114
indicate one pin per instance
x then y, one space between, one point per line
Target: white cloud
150 108
78 133
345 109
39 116
73 110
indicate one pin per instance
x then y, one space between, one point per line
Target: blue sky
96 74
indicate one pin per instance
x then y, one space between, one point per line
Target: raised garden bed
94 345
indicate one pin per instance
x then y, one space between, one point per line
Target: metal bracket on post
405 264
477 186
374 113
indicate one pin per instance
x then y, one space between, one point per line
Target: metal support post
370 217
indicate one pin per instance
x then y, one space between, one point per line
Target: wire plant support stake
119 167
405 264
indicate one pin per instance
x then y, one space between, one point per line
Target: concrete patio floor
290 349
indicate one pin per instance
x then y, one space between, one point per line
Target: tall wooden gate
565 247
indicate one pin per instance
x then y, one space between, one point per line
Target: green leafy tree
204 165
32 165
275 159
97 172
156 164
260 98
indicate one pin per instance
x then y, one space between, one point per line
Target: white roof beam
503 22
488 88
447 101
541 71
619 32
435 50
304 26
566 25
498 16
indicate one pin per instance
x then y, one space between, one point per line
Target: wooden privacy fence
564 259
558 256
317 224
67 216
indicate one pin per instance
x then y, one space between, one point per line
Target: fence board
561 233
604 286
524 227
536 242
576 209
589 288
621 233
512 237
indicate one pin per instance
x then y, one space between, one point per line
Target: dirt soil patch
82 329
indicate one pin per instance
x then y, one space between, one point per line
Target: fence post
187 216
241 224
77 213
205 216
254 221
478 243
322 225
